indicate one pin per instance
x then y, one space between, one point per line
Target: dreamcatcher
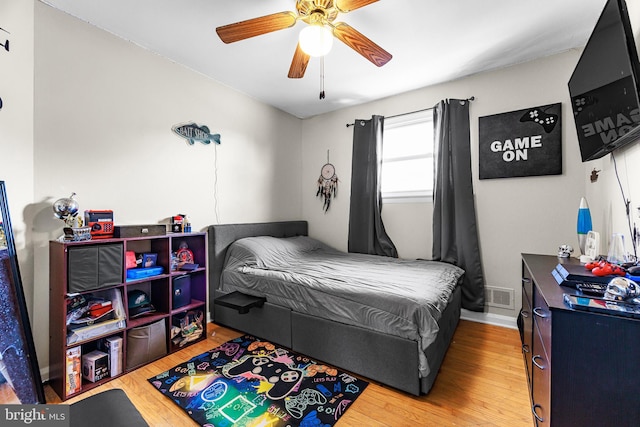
327 184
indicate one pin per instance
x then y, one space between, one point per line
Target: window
407 158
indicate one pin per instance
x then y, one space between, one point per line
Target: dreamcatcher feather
326 190
327 185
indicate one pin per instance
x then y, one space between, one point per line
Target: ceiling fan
319 13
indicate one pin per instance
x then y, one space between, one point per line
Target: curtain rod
411 112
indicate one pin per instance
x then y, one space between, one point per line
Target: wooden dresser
583 368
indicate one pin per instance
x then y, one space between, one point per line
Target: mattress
403 298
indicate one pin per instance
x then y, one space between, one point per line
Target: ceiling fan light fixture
316 40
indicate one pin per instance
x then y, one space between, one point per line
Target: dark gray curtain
455 235
366 231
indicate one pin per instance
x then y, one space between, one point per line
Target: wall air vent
499 297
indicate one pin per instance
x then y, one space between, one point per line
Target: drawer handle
540 312
539 366
535 414
526 280
525 348
524 314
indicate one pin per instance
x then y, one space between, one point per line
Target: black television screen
604 85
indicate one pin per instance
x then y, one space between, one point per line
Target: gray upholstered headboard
223 235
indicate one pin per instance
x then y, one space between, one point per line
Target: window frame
408 196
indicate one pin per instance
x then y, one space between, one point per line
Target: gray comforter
399 297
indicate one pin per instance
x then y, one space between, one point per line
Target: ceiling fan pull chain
322 77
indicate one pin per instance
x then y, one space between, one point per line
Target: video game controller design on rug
547 121
284 378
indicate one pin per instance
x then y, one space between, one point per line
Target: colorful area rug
246 382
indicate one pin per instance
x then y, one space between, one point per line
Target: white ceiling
431 41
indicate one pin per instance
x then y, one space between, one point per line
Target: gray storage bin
146 343
93 267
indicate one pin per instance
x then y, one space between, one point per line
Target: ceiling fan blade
256 26
299 64
361 44
345 6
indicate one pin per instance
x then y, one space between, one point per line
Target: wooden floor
481 383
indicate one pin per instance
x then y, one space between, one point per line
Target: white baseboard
44 374
490 318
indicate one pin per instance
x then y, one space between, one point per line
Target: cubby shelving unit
98 267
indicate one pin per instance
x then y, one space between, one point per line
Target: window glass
407 157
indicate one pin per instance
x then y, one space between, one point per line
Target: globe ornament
66 209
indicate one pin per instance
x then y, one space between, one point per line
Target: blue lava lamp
584 224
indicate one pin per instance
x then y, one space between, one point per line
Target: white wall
104 109
515 215
16 128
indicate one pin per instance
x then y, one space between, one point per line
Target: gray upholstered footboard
385 358
435 352
388 359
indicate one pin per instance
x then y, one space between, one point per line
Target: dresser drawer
527 285
542 319
527 333
541 382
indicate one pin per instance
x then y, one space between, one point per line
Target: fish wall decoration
193 132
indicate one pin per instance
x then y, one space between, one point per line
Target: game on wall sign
521 143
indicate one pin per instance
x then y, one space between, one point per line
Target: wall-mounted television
604 86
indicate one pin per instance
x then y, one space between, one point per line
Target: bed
387 333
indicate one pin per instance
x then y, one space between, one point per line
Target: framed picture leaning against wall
20 380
